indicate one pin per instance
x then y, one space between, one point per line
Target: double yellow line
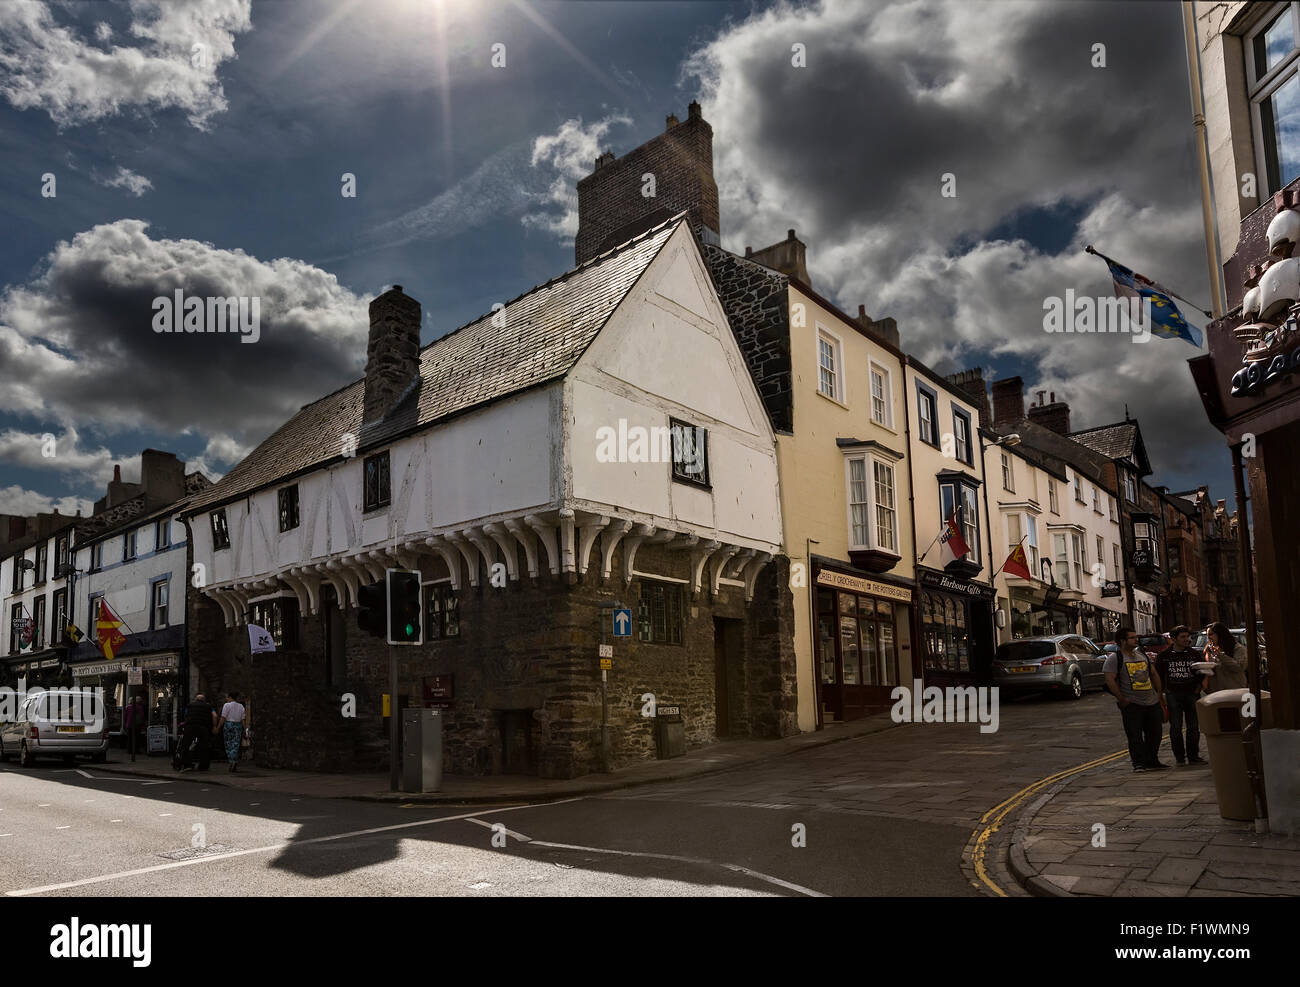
992 819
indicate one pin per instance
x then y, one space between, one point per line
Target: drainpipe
918 641
1202 159
1250 737
812 635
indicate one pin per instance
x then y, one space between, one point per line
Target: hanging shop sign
1111 588
950 584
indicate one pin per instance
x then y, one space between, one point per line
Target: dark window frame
960 415
129 542
42 561
441 611
664 624
15 615
680 473
278 616
162 536
164 581
373 498
931 399
287 504
220 529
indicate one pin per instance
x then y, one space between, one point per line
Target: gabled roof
1058 451
537 338
1122 440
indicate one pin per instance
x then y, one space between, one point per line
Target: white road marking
24 892
254 803
509 832
155 783
84 774
115 820
42 805
62 827
6 834
164 813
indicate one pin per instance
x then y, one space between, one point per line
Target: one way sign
623 623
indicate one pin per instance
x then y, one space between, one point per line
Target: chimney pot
693 111
117 473
672 121
862 311
749 251
790 235
397 287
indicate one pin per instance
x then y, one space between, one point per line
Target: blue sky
224 173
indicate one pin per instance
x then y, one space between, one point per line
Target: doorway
727 644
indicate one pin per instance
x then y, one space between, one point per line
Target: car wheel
25 758
1076 686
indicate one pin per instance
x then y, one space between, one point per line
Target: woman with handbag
231 727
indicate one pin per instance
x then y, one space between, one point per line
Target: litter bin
670 732
1219 716
421 750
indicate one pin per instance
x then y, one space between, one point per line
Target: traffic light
372 616
405 607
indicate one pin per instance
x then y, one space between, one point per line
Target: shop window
660 614
826 634
288 504
378 491
220 533
442 615
690 452
945 630
279 618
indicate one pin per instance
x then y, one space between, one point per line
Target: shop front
159 676
955 621
863 641
1145 612
1033 614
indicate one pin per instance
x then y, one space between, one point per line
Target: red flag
1017 564
110 638
954 545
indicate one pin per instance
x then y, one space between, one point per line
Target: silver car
1063 663
59 723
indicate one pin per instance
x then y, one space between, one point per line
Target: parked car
1064 663
46 728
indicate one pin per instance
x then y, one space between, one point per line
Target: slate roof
542 336
1112 441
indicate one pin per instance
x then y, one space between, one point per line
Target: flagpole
1205 312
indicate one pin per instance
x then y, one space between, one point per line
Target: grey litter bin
1219 716
421 750
670 732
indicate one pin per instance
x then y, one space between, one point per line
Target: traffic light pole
394 767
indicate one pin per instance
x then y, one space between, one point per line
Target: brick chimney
612 207
393 354
163 477
786 256
1051 414
1008 401
886 330
971 384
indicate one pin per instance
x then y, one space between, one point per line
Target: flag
1016 563
110 638
1166 320
259 640
72 632
954 545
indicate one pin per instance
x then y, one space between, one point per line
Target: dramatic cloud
78 347
1046 153
125 178
567 155
52 451
45 65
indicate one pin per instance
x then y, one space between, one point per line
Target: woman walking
231 727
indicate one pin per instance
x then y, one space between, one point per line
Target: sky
205 145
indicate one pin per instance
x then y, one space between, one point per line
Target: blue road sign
623 623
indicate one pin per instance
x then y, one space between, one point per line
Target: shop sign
101 668
962 587
1141 559
1111 588
1256 375
439 691
869 587
157 739
160 662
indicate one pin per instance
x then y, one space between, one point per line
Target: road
882 815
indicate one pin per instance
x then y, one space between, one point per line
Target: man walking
1182 685
200 720
1131 677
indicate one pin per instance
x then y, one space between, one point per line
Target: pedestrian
1182 685
1131 677
200 725
134 719
1229 657
231 727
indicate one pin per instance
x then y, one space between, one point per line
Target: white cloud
124 178
569 155
45 65
29 450
23 502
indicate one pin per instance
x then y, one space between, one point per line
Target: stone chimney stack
789 256
1008 401
393 354
885 330
613 205
971 384
1051 414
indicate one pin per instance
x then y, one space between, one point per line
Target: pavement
1108 831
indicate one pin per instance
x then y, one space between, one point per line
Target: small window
690 452
829 381
1272 56
1078 489
1053 504
97 556
42 553
442 616
38 624
660 614
1119 569
128 546
18 571
288 497
881 403
378 488
1008 474
162 533
60 556
158 610
927 413
961 433
220 533
1101 555
92 619
1111 501
886 512
279 618
15 628
59 609
1130 489
1096 500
